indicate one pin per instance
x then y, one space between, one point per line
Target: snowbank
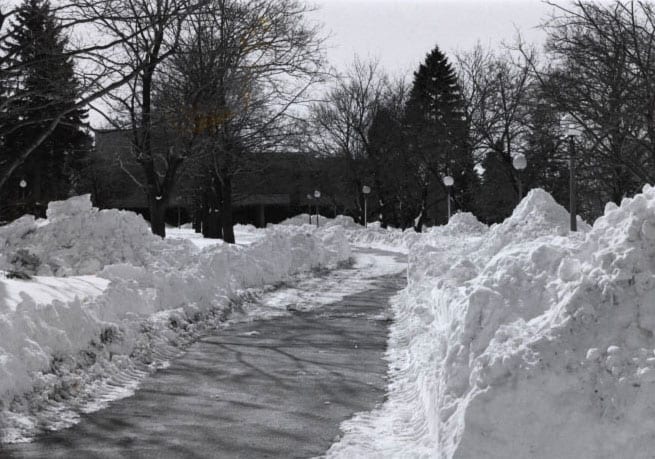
102 275
79 239
340 220
374 236
523 341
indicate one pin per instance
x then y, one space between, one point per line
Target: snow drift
373 236
523 340
99 277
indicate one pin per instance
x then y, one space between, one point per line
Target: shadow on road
273 388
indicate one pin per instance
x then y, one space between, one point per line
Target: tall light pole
572 184
366 190
448 181
309 207
317 195
571 133
520 163
23 184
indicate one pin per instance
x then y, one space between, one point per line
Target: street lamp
571 133
449 182
366 190
309 207
520 162
317 195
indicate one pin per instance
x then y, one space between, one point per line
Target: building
271 192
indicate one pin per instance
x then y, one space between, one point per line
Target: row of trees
469 119
201 87
400 140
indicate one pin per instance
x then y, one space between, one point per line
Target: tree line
202 88
589 93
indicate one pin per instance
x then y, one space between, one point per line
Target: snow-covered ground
106 301
516 340
522 340
243 234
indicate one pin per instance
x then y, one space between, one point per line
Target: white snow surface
516 340
104 288
522 340
375 237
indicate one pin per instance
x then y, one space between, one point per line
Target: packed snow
85 292
522 340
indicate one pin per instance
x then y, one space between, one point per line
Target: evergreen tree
438 137
43 85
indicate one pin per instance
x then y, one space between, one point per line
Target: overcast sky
401 32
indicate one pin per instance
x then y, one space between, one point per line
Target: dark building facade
273 191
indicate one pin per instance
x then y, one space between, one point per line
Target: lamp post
309 207
317 195
366 190
572 184
23 185
520 162
448 181
571 133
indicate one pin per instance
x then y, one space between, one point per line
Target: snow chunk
59 210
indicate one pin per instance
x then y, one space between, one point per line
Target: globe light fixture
520 163
22 184
317 195
449 182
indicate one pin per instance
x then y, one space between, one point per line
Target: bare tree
396 176
498 97
343 120
603 76
101 70
244 66
148 33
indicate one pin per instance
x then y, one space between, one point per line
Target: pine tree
438 133
44 84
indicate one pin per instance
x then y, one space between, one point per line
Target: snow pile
79 239
303 219
462 223
137 277
374 236
298 220
391 239
523 341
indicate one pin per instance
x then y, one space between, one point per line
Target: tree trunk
211 226
158 216
226 211
197 221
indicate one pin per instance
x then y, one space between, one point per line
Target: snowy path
267 388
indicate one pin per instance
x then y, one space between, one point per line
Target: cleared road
272 388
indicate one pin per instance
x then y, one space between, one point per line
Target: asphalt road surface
263 389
